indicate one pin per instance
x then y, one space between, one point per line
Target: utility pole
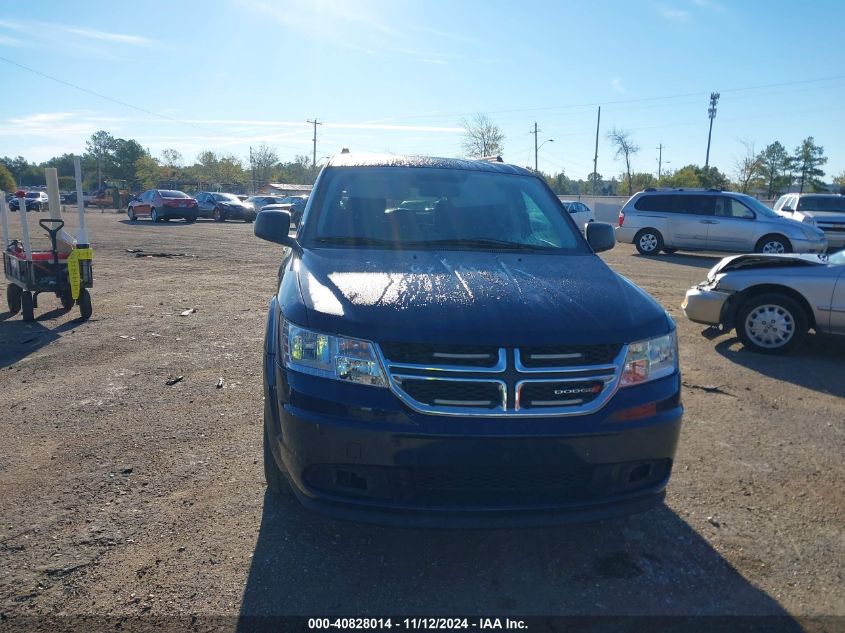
711 112
536 130
660 161
596 155
316 123
252 166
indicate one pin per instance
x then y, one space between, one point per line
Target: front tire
771 323
218 216
84 303
132 216
67 301
27 306
277 483
773 244
670 251
154 215
648 242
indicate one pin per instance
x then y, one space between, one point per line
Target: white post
51 174
27 246
5 220
82 234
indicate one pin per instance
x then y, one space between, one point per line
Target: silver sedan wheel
648 242
773 246
770 326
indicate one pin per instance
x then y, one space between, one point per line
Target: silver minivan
825 210
669 220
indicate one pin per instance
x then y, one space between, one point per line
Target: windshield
453 209
829 204
33 194
173 194
226 197
759 207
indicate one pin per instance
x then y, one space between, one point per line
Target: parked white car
580 212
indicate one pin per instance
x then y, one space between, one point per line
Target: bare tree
625 148
263 158
482 137
171 158
748 168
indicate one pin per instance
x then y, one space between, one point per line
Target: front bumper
809 246
704 306
356 452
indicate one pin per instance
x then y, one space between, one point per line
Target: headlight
650 359
327 356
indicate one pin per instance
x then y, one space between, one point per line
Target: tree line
110 162
767 173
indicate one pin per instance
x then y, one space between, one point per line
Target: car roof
432 162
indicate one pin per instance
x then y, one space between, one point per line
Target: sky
401 76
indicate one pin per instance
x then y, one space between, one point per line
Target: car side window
736 209
665 204
697 205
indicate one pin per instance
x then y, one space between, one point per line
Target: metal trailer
64 271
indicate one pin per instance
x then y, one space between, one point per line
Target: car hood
765 260
487 298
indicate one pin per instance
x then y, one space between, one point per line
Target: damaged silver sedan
772 300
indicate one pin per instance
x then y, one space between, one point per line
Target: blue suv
446 348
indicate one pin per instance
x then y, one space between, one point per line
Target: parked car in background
34 201
484 367
261 201
772 300
162 205
224 206
669 220
580 213
826 211
297 206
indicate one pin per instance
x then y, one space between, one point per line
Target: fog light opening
348 479
643 471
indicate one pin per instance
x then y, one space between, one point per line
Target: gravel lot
124 495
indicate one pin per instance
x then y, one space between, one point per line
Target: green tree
626 149
774 166
641 180
7 181
148 172
125 156
711 177
684 178
839 181
101 146
806 163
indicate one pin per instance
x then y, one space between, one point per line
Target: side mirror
600 236
274 226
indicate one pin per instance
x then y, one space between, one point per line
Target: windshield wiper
483 242
351 240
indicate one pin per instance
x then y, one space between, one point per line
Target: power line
316 123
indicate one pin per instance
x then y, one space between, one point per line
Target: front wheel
27 306
13 298
132 216
67 300
648 242
84 303
154 216
771 323
670 251
218 216
773 244
190 220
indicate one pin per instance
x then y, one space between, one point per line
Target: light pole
711 112
537 149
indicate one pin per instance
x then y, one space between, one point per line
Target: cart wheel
27 306
67 300
84 303
13 298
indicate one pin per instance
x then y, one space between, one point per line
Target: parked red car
162 205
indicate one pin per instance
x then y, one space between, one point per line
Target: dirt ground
126 496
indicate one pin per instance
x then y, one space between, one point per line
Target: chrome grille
567 355
574 385
425 354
